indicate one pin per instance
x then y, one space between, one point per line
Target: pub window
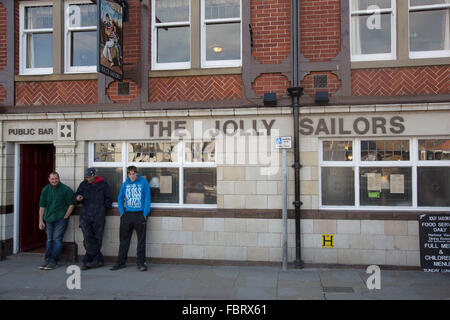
382 174
80 36
338 187
36 37
179 173
429 28
433 173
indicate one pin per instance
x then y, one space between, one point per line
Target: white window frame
204 22
432 53
23 70
377 56
356 163
155 26
181 164
67 43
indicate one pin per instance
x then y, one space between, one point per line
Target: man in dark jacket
95 195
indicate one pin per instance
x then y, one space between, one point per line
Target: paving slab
21 279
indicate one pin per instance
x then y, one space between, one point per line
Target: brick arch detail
271 82
111 92
334 84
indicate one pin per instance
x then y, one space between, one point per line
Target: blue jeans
55 234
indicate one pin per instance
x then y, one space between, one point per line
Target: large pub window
180 174
381 174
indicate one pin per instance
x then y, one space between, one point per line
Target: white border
16 198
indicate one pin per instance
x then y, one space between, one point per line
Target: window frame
414 163
375 56
181 164
67 42
430 53
23 48
154 39
204 22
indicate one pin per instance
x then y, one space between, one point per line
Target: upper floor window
221 33
373 29
429 28
171 34
36 37
80 36
196 34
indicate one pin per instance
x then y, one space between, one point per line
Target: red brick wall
271 82
54 93
320 29
308 83
2 94
195 88
271 25
2 36
401 81
132 39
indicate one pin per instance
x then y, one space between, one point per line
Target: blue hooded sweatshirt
135 195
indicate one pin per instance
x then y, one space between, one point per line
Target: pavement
21 279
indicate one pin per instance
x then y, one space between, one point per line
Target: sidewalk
20 278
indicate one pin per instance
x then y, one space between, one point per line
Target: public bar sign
29 131
110 38
434 233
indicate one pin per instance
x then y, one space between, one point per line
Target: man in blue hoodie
134 207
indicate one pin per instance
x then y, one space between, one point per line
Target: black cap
90 172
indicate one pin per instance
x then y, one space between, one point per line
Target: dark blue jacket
96 199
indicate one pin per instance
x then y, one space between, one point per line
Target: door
36 162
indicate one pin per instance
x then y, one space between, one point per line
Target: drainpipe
295 92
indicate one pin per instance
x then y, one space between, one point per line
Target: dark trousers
128 222
93 236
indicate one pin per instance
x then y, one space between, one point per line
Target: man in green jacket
55 206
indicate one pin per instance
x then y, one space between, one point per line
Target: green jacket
55 200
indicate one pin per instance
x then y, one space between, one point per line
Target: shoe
117 267
84 267
93 265
43 265
142 267
50 266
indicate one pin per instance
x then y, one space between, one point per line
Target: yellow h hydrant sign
328 241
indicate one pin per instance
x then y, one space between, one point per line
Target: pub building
199 116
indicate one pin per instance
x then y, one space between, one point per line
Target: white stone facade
242 186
